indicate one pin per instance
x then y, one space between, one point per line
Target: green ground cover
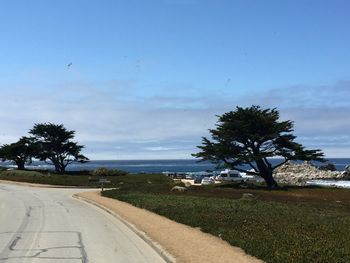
81 178
291 225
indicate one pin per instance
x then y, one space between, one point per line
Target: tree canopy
54 144
20 152
251 136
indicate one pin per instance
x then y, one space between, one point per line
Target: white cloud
113 124
159 148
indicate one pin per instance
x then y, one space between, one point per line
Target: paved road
47 225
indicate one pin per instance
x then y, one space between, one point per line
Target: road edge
36 185
50 185
156 246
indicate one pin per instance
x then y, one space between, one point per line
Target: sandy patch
185 243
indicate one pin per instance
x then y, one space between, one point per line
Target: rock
178 189
248 196
346 173
298 174
187 184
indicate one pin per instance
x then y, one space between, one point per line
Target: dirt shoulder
185 243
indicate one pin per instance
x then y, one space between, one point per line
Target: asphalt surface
48 225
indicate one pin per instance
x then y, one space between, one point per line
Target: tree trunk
266 173
63 167
57 167
20 165
270 181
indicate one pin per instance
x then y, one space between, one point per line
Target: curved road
47 225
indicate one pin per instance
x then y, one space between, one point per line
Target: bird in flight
69 65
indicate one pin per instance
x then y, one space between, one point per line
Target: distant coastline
154 166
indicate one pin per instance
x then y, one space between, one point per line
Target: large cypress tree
251 136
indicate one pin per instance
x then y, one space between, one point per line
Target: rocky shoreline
298 174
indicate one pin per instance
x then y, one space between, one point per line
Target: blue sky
148 77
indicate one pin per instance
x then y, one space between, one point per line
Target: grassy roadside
82 179
295 225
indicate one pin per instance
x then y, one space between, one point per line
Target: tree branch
280 164
245 171
242 170
267 163
251 165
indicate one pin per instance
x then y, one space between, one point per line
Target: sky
148 77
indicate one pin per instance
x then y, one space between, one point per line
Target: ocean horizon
156 166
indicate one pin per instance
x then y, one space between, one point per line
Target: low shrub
21 173
2 168
108 172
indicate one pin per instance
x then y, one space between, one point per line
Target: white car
229 176
189 176
208 180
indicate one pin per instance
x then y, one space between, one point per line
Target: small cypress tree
20 152
54 143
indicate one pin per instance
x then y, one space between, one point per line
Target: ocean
155 166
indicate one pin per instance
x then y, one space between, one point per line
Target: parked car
175 175
170 174
189 176
180 175
198 179
229 175
207 180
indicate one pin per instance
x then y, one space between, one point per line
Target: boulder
178 189
298 174
346 172
188 184
248 196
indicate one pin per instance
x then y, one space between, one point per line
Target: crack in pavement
22 236
14 243
14 239
82 248
60 203
28 211
41 251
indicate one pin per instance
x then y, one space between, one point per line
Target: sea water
156 166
